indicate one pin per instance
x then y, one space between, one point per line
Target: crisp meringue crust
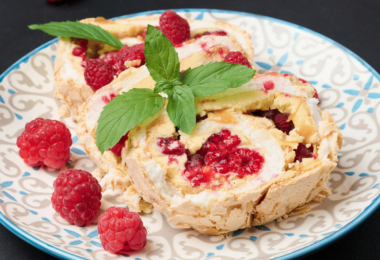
280 187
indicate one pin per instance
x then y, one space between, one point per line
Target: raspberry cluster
220 154
100 72
76 197
121 230
45 142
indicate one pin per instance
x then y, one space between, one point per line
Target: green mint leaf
216 77
78 30
123 113
160 56
162 85
181 108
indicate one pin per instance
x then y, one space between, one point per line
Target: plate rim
296 254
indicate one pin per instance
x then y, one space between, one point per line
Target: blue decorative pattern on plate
347 86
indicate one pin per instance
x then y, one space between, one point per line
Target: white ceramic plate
347 86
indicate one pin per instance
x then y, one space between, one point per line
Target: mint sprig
78 30
123 113
181 108
216 77
160 56
127 110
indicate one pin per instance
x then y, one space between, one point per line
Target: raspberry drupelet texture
121 230
236 57
175 28
45 142
98 73
76 197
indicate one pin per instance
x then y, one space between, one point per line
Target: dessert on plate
259 153
74 65
114 173
177 120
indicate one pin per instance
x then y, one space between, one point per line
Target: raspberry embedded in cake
98 74
220 155
236 57
279 119
304 152
170 146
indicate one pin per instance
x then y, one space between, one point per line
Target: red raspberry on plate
76 197
45 142
121 230
98 74
236 57
175 28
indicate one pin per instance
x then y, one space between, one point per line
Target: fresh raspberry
121 230
175 28
218 33
236 57
45 142
130 56
76 197
110 58
98 74
120 145
303 152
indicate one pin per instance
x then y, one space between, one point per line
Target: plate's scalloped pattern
347 86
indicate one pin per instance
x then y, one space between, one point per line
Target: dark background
354 24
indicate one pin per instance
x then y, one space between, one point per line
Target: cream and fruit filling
87 58
191 55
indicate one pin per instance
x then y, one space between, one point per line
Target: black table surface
354 24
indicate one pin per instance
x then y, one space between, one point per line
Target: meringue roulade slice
70 84
71 88
258 153
115 173
199 28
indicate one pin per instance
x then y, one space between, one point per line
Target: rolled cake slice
258 153
71 88
70 85
201 27
193 53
